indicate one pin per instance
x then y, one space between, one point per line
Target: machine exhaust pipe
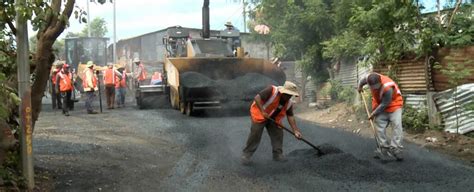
206 32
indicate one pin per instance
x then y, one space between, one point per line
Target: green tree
98 28
297 29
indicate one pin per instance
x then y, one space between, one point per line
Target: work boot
279 158
245 159
91 112
381 152
397 153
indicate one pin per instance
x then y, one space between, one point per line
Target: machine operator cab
175 41
232 37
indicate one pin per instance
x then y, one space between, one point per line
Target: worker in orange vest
64 86
89 83
156 78
121 87
55 97
110 78
140 73
387 104
271 103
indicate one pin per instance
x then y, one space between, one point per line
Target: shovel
370 120
302 139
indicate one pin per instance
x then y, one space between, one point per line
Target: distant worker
121 87
64 86
387 104
55 97
271 103
229 27
90 86
156 78
276 61
235 41
111 76
140 73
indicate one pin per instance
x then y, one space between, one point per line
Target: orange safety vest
377 94
156 77
84 80
65 83
109 77
142 76
123 82
269 106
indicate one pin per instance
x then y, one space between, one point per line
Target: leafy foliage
338 92
297 29
98 28
415 120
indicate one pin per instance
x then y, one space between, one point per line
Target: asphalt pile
193 79
246 85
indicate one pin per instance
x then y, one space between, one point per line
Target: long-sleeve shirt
138 72
386 97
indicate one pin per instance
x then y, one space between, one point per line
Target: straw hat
136 60
228 23
289 88
89 64
275 60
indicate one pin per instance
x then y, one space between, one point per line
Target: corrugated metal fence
350 72
412 76
447 107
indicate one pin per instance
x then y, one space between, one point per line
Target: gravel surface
162 150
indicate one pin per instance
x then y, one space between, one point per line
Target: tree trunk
44 56
43 59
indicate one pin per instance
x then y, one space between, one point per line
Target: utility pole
245 15
88 20
24 91
114 54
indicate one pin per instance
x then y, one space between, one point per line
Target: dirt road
162 150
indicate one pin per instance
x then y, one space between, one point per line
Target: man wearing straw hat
89 84
268 109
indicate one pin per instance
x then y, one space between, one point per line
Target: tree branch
56 9
439 12
61 25
458 3
10 23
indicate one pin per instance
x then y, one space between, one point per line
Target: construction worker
110 77
64 86
90 86
271 103
387 104
276 61
121 87
55 97
229 27
156 78
140 73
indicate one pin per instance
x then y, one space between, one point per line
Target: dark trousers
256 131
121 91
66 96
56 99
90 95
110 95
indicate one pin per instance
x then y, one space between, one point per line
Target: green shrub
339 93
415 120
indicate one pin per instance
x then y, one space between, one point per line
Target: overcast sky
136 17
